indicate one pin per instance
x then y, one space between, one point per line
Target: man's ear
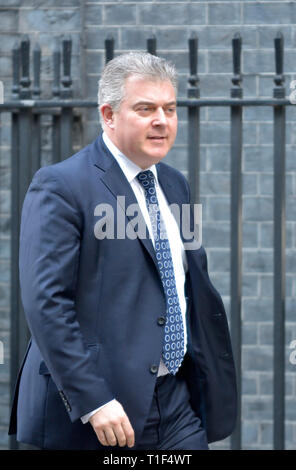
107 115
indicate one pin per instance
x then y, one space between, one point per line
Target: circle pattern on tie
173 347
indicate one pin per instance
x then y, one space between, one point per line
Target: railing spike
193 80
109 48
56 68
236 90
36 68
25 92
16 70
66 79
151 45
279 79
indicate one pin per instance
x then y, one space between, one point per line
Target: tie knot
146 178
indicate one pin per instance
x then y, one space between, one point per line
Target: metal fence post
193 121
66 93
24 162
21 175
14 273
109 48
236 227
56 118
279 233
16 71
151 45
36 118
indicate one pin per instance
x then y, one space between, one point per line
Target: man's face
145 126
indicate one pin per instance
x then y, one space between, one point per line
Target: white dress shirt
130 170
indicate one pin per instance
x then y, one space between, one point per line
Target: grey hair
144 65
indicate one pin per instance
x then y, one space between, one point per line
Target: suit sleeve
49 255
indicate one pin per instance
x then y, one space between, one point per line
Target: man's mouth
157 137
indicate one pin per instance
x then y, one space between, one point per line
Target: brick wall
215 22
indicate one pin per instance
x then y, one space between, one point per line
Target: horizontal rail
234 102
20 104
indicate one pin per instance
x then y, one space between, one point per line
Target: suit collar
129 168
102 158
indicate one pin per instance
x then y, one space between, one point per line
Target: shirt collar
129 168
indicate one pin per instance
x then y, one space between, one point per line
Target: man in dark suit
130 343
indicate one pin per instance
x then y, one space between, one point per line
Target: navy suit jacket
93 305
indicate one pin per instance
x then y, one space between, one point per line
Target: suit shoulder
67 167
67 176
63 178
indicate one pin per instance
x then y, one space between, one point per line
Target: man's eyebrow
170 103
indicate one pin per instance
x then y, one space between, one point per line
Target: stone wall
215 22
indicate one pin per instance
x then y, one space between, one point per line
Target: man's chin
158 153
156 157
149 158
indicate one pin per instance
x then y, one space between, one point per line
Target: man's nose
159 118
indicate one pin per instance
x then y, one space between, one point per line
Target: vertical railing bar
66 132
279 252
16 70
25 92
14 283
25 169
193 113
66 93
56 138
236 230
14 272
56 69
109 48
36 118
66 79
36 143
56 118
36 71
20 133
151 45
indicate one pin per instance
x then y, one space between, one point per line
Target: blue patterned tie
173 347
